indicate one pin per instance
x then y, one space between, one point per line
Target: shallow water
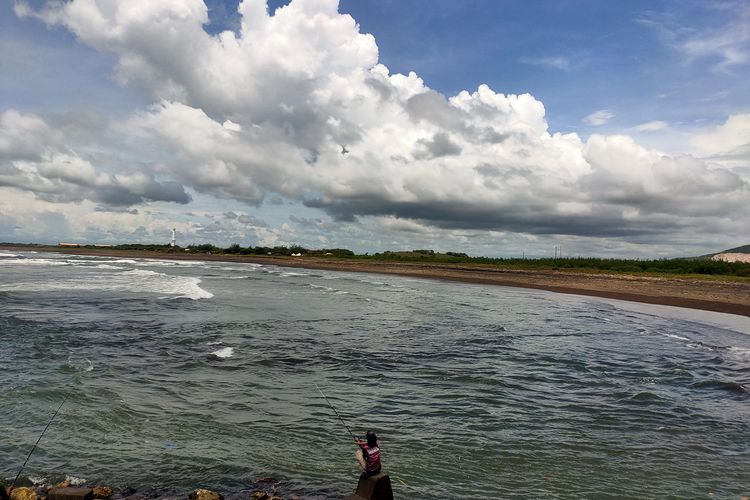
182 374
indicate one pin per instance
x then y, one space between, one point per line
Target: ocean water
185 374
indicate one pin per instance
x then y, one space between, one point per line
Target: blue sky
663 77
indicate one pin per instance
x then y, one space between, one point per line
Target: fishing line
342 420
337 413
40 438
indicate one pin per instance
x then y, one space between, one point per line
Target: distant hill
738 254
742 249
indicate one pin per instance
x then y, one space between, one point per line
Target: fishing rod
337 414
342 421
37 441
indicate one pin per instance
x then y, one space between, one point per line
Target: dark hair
372 439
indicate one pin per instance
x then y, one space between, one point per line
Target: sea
185 374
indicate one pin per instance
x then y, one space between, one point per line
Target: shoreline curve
717 295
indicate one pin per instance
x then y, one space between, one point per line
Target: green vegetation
684 266
702 266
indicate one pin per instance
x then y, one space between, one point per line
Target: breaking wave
224 352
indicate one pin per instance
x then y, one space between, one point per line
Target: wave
169 263
224 352
4 254
722 385
152 281
32 262
672 336
134 280
80 364
107 266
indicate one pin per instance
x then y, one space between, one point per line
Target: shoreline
723 296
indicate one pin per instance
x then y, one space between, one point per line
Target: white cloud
556 62
599 117
296 105
33 157
651 126
731 138
729 42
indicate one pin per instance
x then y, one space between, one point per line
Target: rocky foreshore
264 488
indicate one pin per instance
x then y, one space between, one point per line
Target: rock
23 493
377 487
102 492
259 495
128 491
70 494
201 494
65 483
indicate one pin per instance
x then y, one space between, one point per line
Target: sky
496 128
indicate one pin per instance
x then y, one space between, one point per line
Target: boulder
23 493
128 491
70 494
65 483
377 487
103 492
259 495
201 494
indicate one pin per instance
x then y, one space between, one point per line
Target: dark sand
710 294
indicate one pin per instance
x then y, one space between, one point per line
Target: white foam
676 337
75 481
169 263
151 281
32 262
107 266
215 342
84 365
3 254
135 280
321 287
740 352
287 274
225 352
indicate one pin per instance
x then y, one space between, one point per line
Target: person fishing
368 455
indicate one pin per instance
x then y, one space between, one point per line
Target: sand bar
711 294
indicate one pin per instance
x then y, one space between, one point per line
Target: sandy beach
710 294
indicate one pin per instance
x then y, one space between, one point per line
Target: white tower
173 242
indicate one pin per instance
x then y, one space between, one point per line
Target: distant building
173 242
61 244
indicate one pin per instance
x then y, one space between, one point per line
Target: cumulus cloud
598 118
265 113
33 157
729 140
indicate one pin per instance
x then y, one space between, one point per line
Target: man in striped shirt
368 455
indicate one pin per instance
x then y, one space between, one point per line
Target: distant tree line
681 266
